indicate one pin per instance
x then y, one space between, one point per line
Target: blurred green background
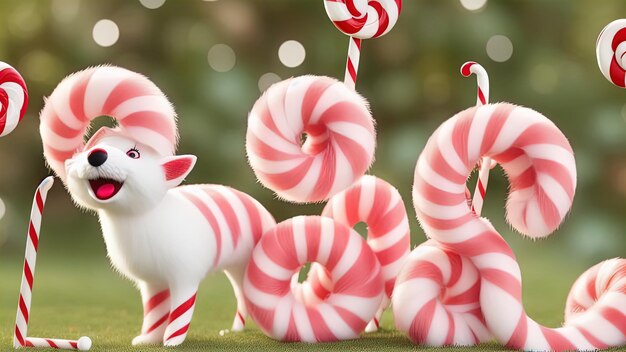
410 77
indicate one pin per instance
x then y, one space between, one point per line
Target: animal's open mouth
105 188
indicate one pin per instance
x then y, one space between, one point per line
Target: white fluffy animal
163 237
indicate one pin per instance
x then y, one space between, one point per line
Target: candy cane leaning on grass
539 162
482 98
20 338
361 19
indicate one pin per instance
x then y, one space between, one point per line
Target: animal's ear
104 131
176 168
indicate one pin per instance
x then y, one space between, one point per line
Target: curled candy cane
354 271
20 338
379 205
540 165
13 98
361 19
611 52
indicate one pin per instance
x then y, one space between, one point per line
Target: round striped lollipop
436 300
611 52
339 145
354 271
13 98
364 19
539 162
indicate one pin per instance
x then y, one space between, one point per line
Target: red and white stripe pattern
352 63
340 138
13 98
20 337
482 98
364 19
541 169
139 106
379 205
611 52
436 300
353 267
156 311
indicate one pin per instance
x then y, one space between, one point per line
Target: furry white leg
235 275
182 303
156 309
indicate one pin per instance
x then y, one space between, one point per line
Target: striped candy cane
361 19
353 267
482 98
340 141
20 338
611 52
13 98
540 165
379 205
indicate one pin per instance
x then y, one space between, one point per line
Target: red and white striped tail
142 110
20 337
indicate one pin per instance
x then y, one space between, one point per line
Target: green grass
76 296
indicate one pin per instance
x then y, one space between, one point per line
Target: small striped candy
611 52
13 98
340 138
353 267
379 205
364 19
540 165
141 109
436 299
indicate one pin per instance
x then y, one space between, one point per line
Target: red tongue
105 191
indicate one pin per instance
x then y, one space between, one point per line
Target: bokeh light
499 48
152 4
291 53
106 33
3 209
221 58
473 5
267 79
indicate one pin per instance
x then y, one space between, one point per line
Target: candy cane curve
353 267
379 205
20 337
541 168
361 19
13 98
611 52
482 98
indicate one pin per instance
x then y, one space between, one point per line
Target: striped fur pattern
20 338
353 267
138 105
436 300
13 98
540 165
164 237
340 138
611 52
364 19
379 205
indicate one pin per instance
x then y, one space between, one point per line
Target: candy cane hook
482 98
20 338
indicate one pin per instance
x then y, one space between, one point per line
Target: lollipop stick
352 63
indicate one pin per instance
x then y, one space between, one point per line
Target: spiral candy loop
13 98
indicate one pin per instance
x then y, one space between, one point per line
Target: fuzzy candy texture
611 50
354 271
138 105
339 145
378 204
541 169
431 317
364 19
13 98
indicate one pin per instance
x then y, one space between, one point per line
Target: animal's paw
372 326
147 339
173 342
238 324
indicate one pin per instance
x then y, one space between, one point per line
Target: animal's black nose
97 157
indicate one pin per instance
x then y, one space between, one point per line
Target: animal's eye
133 153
